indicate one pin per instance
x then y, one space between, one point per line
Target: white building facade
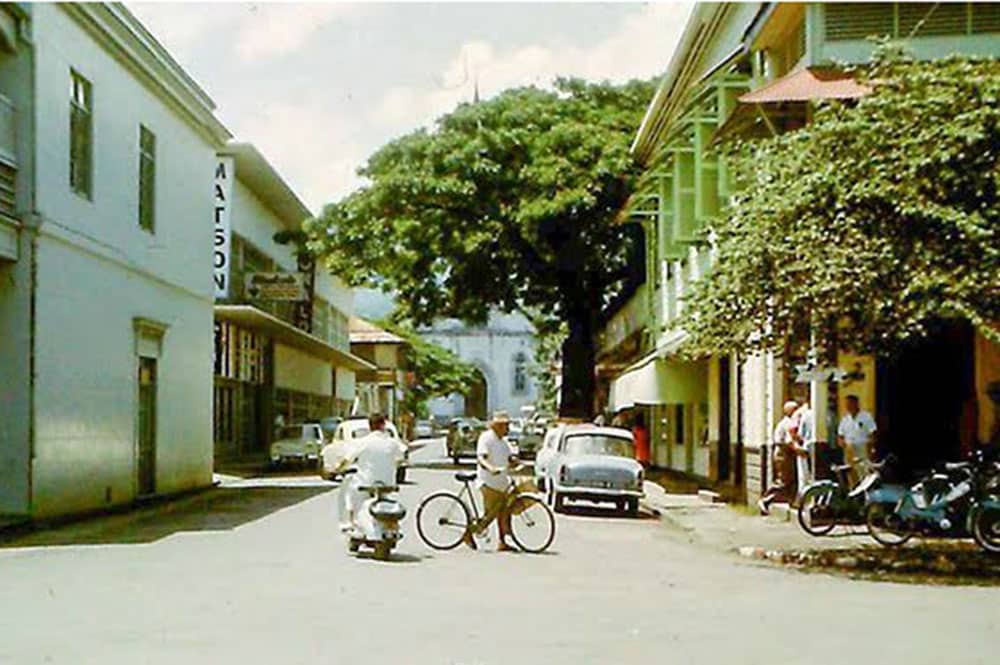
279 356
503 351
105 304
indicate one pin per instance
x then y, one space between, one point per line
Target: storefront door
146 468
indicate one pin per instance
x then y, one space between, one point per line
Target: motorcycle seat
956 466
465 476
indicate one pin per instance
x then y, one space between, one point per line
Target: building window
520 373
81 135
147 179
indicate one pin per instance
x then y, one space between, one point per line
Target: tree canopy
507 203
865 227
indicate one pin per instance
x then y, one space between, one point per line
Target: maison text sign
222 238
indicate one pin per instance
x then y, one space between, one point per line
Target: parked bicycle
954 501
444 518
825 504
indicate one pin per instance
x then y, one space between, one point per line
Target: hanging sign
275 285
222 237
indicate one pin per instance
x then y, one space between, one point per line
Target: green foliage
868 225
505 203
437 371
545 368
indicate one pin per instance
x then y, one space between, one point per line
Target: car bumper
597 493
294 457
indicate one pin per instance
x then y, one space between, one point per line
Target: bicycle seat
465 476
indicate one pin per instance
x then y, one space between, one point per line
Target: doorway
146 468
725 378
923 398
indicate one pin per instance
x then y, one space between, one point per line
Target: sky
319 87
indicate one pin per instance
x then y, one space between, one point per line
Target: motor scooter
376 520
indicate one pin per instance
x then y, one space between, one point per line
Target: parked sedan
463 435
423 430
590 463
336 453
297 443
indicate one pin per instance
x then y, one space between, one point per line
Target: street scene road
256 572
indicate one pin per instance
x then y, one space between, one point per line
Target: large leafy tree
867 226
507 203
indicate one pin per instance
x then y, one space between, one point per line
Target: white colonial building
106 156
503 351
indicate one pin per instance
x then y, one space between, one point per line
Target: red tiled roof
807 85
365 332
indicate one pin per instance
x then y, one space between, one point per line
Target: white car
336 453
297 443
590 463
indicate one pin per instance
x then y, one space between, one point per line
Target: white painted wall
97 270
345 384
86 389
296 370
109 224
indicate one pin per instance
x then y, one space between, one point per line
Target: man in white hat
494 457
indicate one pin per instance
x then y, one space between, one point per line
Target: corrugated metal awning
806 85
254 319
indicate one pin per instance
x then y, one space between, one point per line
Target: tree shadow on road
597 512
217 509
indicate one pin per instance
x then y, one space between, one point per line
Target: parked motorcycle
376 524
939 506
826 503
984 517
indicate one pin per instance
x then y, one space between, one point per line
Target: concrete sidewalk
778 539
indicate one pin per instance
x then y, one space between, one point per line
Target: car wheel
558 502
540 481
353 545
632 507
400 475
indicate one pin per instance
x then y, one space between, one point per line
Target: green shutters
81 136
147 179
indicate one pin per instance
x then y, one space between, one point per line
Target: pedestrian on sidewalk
856 436
641 436
782 461
803 431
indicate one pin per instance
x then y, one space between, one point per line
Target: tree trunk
576 394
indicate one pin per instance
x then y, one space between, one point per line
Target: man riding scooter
367 515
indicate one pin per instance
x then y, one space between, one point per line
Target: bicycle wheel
442 520
532 523
816 510
986 528
885 526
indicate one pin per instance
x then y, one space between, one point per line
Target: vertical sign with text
222 240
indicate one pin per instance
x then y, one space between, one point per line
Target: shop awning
252 318
807 85
654 380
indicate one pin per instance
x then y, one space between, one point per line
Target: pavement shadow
597 512
217 509
395 557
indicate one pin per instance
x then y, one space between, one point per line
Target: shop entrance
926 398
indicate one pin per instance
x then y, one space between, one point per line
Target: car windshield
599 444
359 432
291 432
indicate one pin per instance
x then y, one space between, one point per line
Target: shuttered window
861 20
147 179
81 131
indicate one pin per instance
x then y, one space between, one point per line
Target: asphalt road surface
256 572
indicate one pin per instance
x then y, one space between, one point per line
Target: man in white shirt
494 457
803 431
376 456
855 434
782 463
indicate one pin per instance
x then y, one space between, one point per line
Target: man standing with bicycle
493 461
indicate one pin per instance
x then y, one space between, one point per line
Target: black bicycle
444 518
